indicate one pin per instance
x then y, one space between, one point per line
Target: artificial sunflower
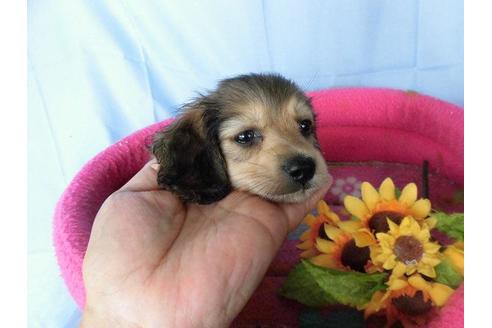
406 248
340 249
408 300
378 205
387 233
315 229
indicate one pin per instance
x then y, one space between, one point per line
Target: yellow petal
387 189
355 206
309 219
380 258
427 270
390 262
407 228
324 209
332 232
370 195
421 208
373 269
308 253
415 228
440 293
431 248
411 270
422 235
305 235
325 246
333 217
398 284
431 222
324 261
419 283
399 270
364 238
375 251
459 245
305 245
393 227
430 260
350 226
374 305
385 239
408 194
456 257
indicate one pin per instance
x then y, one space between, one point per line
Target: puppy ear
191 163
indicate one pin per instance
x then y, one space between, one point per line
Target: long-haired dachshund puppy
254 133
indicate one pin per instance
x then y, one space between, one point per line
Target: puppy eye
245 137
306 127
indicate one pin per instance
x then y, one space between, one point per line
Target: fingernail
155 166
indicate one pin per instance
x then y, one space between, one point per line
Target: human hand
153 261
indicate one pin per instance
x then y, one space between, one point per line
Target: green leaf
447 275
316 286
451 224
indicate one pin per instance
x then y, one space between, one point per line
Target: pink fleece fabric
354 125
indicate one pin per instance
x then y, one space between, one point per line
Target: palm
152 257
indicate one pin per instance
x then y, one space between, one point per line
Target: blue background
99 70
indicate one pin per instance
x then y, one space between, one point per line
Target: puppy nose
300 168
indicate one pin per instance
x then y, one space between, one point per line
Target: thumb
145 179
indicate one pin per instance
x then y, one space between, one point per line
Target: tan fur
205 153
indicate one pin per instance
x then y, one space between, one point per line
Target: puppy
254 133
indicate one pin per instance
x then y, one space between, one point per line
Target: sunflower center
408 250
412 305
378 221
355 257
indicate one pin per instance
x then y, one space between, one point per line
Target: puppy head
254 133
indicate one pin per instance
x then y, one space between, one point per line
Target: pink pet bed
365 135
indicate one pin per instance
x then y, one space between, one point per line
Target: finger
296 212
145 179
